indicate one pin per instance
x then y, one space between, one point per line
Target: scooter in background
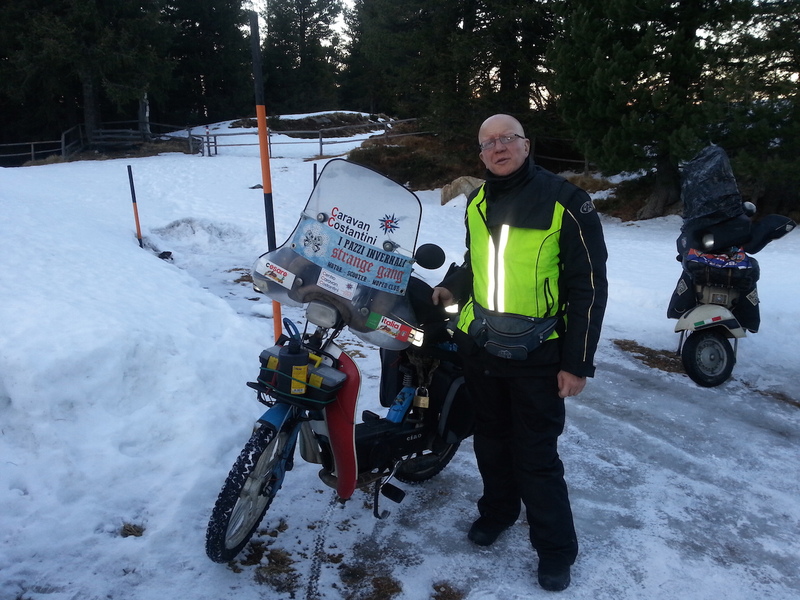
716 298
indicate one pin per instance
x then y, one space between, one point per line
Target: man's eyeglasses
503 139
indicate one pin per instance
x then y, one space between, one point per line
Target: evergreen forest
635 84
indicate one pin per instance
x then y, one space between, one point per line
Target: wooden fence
122 134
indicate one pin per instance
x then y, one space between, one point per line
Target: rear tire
708 357
247 494
425 465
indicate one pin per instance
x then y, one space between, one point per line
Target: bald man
532 294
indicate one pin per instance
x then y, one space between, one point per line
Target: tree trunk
666 196
91 118
144 117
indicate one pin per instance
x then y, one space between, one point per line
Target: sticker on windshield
278 274
388 326
336 285
351 257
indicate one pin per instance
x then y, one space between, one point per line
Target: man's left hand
569 384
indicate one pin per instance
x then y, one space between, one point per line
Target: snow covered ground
123 404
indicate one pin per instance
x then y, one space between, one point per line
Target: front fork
277 417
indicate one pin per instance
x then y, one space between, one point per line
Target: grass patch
589 182
443 590
348 124
365 585
131 530
665 360
279 572
422 162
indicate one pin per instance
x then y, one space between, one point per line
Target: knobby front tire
246 495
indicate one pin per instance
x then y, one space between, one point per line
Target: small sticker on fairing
337 285
388 326
278 274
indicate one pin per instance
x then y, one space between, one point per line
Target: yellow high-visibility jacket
535 247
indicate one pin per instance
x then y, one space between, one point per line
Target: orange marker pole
263 144
135 208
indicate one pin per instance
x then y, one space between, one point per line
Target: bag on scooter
509 335
450 397
739 270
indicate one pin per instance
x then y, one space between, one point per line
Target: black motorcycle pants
517 425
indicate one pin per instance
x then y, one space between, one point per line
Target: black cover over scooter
712 204
708 189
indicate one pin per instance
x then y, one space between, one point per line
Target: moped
348 264
716 298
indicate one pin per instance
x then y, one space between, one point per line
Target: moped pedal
393 493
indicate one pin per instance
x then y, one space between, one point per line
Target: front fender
340 419
276 415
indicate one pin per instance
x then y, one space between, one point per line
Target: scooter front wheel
708 357
247 494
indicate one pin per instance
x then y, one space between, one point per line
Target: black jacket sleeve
583 282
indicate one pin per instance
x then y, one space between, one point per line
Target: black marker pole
135 208
263 143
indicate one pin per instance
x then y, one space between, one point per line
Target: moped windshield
352 248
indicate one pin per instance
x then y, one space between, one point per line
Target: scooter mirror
429 256
749 208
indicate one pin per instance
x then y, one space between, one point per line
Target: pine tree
300 56
90 54
210 50
377 56
759 117
453 62
633 83
511 39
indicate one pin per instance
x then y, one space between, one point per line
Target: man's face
503 159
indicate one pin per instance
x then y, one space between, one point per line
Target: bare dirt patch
670 361
665 360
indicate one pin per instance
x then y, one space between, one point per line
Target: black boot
485 531
553 577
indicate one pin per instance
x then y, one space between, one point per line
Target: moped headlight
322 314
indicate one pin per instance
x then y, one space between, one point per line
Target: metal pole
135 209
263 143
